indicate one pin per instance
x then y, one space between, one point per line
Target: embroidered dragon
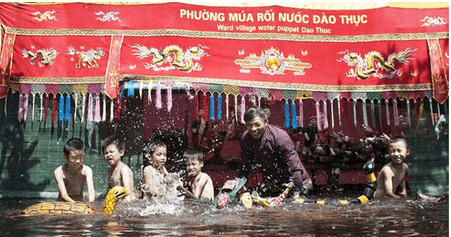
373 62
173 55
89 57
47 55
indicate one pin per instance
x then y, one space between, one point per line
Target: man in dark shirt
273 149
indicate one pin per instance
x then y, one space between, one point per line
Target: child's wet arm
62 187
90 186
388 183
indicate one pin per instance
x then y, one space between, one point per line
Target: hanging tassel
54 109
325 121
169 97
158 103
5 110
243 108
89 118
219 106
112 110
301 113
445 107
294 120
97 109
25 107
32 108
41 108
379 106
117 114
61 108
373 113
387 112
76 106
287 114
20 111
204 106
212 107
67 114
365 114
46 106
236 108
141 89
318 117
227 107
149 93
438 111
332 112
104 108
420 113
341 110
432 111
83 108
395 112
355 111
131 88
196 104
408 112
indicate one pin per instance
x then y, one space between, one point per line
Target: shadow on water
16 152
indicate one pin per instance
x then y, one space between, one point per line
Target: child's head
194 161
312 121
74 152
113 150
398 150
155 154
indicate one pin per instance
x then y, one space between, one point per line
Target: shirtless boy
393 174
119 174
72 176
202 185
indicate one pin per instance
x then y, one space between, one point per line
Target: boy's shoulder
86 168
204 175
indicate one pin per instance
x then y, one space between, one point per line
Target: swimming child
72 176
202 185
119 174
393 174
154 172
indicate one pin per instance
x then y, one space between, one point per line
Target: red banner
112 73
438 72
268 47
5 63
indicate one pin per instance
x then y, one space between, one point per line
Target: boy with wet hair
119 174
72 176
392 176
201 185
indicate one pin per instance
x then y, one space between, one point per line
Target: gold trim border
232 82
225 35
284 86
59 80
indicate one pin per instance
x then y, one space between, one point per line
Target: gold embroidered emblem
273 62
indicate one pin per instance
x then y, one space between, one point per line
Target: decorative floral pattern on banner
5 63
112 72
438 71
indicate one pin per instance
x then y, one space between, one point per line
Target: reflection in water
379 218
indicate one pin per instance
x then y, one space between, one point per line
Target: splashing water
170 203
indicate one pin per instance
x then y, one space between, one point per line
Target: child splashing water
158 185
